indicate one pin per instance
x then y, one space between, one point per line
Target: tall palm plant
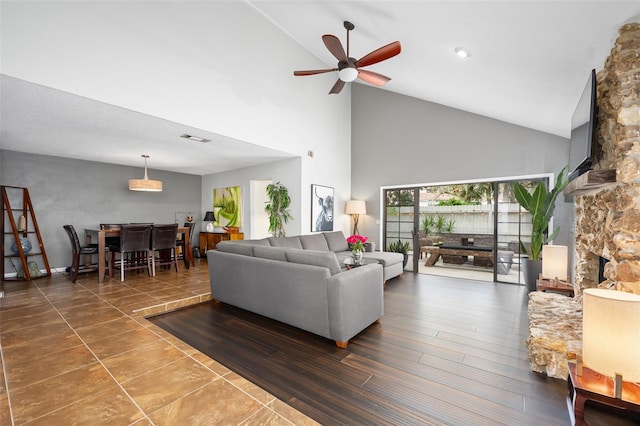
277 208
540 203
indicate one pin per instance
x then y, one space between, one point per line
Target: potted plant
540 202
277 208
400 247
428 224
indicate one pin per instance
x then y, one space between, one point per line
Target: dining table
102 234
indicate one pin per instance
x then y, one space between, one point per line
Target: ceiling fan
349 68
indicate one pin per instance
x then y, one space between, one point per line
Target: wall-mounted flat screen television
583 130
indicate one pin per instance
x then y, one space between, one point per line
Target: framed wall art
321 208
227 206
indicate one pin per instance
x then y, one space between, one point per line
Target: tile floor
84 354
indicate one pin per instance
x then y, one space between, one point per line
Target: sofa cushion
336 241
314 242
262 242
325 259
235 247
289 242
273 253
385 258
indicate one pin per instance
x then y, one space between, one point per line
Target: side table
554 285
349 263
596 387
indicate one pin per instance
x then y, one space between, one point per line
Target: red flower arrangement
356 242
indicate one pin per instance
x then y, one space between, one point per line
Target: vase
357 257
26 246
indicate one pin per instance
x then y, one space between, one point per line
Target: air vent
195 138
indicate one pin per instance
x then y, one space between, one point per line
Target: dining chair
163 243
134 249
112 244
77 251
181 242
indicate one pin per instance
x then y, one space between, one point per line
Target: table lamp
611 335
554 262
209 218
355 208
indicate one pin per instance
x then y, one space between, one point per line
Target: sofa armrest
355 300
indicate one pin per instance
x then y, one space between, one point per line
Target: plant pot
531 270
405 260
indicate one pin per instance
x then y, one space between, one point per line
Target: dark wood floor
447 351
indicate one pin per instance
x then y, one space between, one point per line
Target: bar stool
163 239
134 240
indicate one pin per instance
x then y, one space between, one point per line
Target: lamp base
209 227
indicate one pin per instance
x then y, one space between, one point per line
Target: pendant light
145 184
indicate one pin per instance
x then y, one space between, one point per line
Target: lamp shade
209 218
554 262
145 184
356 207
611 333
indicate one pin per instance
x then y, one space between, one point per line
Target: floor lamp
355 208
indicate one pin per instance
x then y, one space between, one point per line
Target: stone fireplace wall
608 220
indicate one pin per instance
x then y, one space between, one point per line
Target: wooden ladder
29 227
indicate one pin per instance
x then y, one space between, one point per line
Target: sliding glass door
467 230
399 223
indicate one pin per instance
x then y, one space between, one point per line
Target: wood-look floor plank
447 351
451 381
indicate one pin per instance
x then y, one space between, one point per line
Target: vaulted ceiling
528 65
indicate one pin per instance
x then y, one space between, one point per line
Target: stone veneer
552 341
607 220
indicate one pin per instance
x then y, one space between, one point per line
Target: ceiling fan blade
372 77
378 55
335 47
313 72
337 87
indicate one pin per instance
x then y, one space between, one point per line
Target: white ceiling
530 61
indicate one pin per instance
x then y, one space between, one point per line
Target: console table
592 386
208 240
436 251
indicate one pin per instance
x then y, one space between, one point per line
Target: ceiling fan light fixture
348 74
462 52
145 184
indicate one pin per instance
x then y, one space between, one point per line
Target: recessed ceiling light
195 138
462 52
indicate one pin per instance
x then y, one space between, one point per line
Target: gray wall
399 140
286 172
85 194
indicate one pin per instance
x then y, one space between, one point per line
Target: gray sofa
300 281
